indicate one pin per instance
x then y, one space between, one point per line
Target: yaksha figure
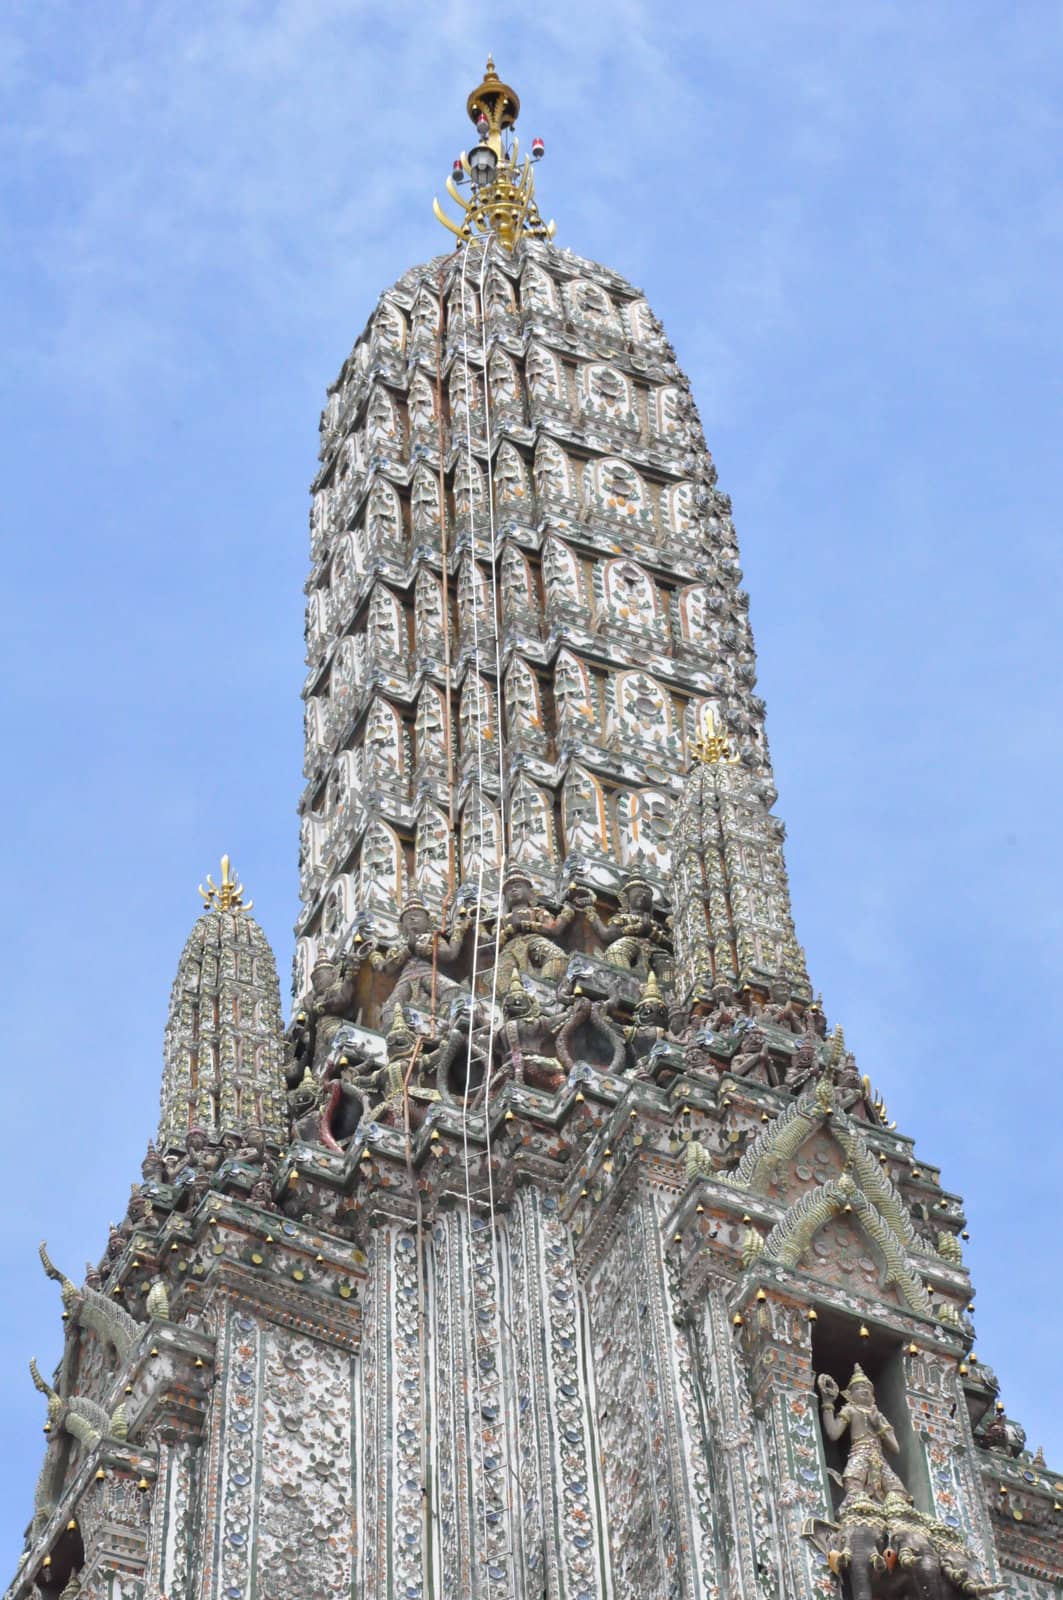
415 958
634 941
333 1001
726 1009
527 1039
528 931
867 1475
388 1088
753 1058
781 1009
649 1025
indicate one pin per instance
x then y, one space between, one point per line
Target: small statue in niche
201 1165
649 1025
885 1545
139 1212
867 1475
333 1000
691 1028
305 1100
851 1091
753 1058
804 1064
526 1039
1001 1433
780 1008
415 959
725 1007
396 1080
634 941
248 1147
527 933
152 1168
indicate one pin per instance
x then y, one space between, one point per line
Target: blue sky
849 217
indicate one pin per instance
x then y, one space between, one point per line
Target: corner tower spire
503 192
223 1052
729 889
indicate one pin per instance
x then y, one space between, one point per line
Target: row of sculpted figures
530 992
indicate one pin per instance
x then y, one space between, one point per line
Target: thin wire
470 465
448 727
495 610
503 840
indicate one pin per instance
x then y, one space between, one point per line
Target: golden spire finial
228 895
712 745
503 192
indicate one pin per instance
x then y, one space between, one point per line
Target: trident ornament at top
228 895
503 192
712 746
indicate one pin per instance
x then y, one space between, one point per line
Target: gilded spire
227 895
502 202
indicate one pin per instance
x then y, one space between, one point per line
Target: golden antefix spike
503 207
712 746
227 895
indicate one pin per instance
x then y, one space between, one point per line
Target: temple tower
223 1074
559 1250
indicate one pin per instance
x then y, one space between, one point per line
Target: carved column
175 1524
552 1408
472 1455
942 1426
396 1553
694 1452
654 1532
737 1475
229 1510
778 1348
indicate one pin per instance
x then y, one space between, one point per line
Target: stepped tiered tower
558 1250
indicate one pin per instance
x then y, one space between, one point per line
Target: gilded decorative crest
712 746
228 895
502 202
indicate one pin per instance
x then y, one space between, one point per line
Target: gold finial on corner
227 895
503 191
712 746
